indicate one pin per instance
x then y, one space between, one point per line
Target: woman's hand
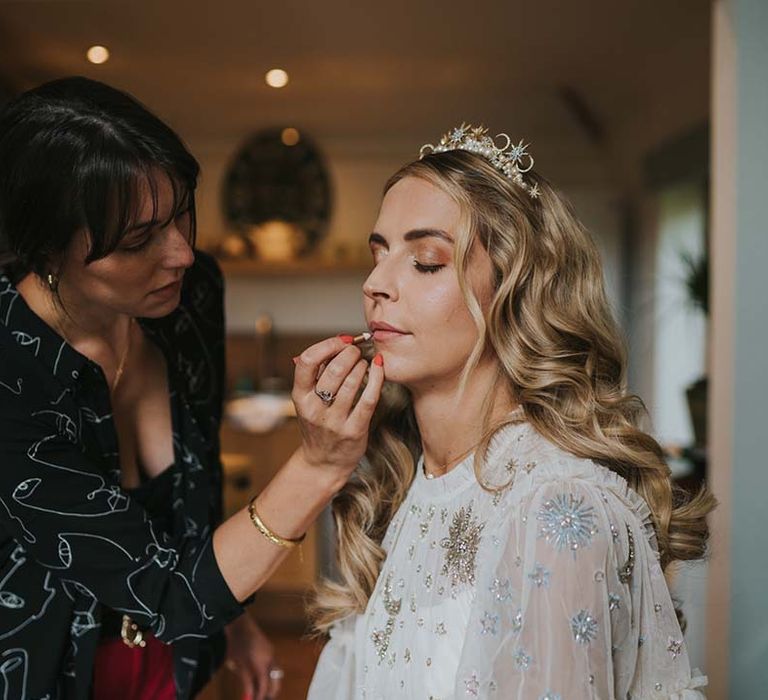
251 656
335 434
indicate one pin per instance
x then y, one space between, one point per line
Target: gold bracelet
264 530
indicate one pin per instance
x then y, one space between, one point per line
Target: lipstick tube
362 338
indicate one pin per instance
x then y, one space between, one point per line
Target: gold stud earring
53 282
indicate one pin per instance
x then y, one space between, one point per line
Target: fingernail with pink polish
378 360
348 339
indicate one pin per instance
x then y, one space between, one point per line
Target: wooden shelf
307 267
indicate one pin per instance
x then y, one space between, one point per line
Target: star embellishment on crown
511 160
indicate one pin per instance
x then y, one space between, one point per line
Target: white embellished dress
550 589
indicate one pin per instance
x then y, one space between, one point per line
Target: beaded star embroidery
675 647
472 685
566 523
381 638
488 623
540 576
522 659
583 627
461 546
502 590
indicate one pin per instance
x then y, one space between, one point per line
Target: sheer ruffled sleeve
566 601
335 672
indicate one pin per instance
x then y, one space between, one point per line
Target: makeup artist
117 577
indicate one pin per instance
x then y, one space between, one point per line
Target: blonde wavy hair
560 355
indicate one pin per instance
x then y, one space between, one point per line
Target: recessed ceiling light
290 136
98 54
277 78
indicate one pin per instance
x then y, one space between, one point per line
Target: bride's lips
384 331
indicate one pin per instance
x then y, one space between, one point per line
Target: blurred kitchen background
649 115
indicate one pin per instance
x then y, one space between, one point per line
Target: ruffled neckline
554 463
463 474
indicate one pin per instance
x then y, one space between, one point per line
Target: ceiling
372 71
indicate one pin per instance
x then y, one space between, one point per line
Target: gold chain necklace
121 366
440 470
123 358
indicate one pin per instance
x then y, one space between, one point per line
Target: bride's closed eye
430 269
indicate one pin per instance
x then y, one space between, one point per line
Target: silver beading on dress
511 160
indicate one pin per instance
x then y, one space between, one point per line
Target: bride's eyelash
430 269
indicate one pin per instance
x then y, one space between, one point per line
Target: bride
508 534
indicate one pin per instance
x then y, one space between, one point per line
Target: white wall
679 330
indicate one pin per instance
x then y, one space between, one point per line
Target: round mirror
278 195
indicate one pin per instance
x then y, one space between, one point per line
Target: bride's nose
382 283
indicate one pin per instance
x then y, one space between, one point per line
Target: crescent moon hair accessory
511 160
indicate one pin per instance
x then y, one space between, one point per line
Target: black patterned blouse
73 543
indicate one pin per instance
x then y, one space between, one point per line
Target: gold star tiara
511 160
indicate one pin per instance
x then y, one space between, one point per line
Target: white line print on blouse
61 397
32 489
26 340
160 556
65 547
92 417
188 457
83 611
58 357
190 527
12 293
11 661
163 558
37 615
9 599
114 500
28 536
65 426
19 384
184 322
17 391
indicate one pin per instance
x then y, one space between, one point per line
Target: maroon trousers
124 673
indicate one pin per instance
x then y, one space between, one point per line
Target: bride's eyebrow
413 235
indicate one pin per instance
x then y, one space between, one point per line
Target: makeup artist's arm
334 439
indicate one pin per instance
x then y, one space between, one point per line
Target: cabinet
250 461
